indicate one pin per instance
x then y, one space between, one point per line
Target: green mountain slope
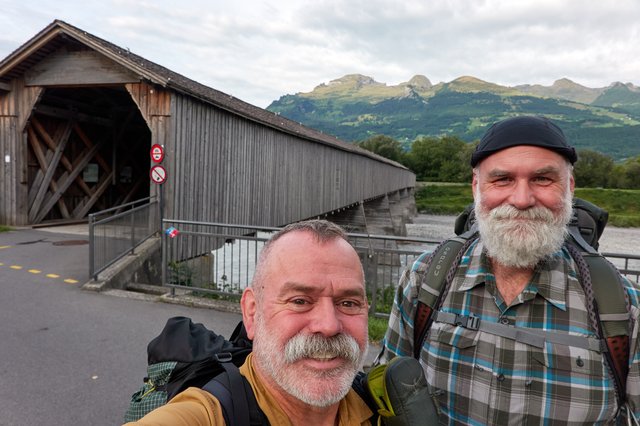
356 107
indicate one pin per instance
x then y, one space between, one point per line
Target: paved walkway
70 356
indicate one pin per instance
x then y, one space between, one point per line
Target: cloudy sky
260 50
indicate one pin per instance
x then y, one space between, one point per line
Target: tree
384 146
443 159
632 173
593 169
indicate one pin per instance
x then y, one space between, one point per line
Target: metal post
133 239
92 247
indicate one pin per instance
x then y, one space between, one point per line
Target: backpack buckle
223 357
471 322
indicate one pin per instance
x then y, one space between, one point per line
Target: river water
613 240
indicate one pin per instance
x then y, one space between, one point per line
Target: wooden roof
60 33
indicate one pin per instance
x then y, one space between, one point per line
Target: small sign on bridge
157 153
158 174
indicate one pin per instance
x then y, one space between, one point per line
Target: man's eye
502 181
542 180
299 302
350 306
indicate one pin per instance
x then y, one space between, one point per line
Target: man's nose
325 319
522 196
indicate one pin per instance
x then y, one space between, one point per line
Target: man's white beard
522 238
319 389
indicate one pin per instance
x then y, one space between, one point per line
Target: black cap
526 130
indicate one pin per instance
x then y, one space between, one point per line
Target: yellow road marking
4 247
38 271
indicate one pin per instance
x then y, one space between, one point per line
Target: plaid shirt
482 378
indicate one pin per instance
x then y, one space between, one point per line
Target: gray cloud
260 50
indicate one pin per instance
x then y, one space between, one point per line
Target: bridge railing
218 260
116 232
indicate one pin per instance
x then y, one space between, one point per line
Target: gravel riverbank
613 240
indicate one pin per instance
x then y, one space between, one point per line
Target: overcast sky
260 50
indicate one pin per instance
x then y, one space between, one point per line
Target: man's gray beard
522 238
275 362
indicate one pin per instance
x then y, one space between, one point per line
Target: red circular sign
157 153
158 174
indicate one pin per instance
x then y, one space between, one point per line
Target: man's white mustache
319 347
511 212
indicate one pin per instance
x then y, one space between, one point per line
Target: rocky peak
354 80
419 82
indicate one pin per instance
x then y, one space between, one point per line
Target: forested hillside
356 107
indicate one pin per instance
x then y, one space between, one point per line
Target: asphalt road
69 356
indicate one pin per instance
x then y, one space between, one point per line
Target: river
613 240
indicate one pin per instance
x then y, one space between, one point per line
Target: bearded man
306 312
522 359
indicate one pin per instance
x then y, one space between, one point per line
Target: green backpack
608 304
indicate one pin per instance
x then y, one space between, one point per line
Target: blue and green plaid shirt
482 378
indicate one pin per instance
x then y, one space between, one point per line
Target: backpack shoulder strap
236 397
432 283
602 282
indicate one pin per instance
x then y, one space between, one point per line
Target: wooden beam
64 160
66 180
40 156
82 209
5 86
66 114
85 139
51 168
132 192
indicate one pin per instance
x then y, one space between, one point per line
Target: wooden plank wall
15 109
224 168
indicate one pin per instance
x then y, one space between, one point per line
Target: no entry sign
157 153
158 174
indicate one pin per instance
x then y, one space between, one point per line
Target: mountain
356 107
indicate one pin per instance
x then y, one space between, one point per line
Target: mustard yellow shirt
195 407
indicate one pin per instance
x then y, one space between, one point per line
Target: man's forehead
524 155
341 288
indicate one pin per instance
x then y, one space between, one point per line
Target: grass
622 204
4 228
377 328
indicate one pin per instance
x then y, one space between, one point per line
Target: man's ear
572 183
248 305
474 184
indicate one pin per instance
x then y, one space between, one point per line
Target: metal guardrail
116 232
218 260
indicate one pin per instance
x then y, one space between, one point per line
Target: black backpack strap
360 386
434 284
236 397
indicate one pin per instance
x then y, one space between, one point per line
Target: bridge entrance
88 150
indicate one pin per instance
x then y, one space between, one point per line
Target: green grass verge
623 205
377 328
443 198
4 228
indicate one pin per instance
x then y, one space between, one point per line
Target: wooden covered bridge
79 115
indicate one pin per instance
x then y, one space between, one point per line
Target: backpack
608 304
187 355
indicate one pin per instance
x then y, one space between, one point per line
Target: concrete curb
125 269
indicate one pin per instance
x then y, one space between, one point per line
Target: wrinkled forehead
300 258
